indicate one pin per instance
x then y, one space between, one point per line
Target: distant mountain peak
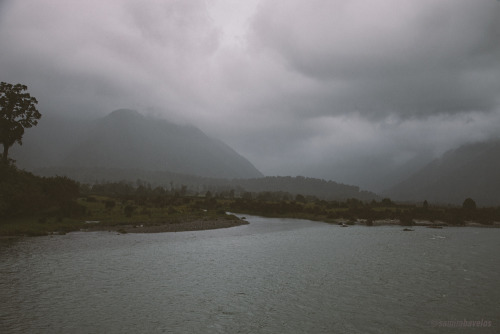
125 113
127 139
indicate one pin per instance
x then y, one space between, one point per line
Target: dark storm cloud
404 57
104 55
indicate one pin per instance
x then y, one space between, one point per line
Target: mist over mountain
128 140
47 143
471 170
374 172
126 145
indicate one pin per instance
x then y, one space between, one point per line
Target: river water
271 276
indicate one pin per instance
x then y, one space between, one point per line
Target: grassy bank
109 214
31 205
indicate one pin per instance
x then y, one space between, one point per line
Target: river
271 276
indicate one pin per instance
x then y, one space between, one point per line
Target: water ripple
272 276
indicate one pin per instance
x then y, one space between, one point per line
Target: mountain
128 140
471 171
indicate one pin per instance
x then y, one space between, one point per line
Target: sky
351 91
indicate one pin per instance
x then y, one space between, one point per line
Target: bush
469 204
109 204
129 210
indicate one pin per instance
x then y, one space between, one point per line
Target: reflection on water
271 276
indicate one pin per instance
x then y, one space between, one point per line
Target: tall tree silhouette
17 112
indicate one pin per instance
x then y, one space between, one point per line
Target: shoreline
202 224
416 223
160 226
184 226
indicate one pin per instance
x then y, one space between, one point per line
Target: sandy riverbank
193 225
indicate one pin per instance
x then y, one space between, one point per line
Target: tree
387 202
17 112
129 209
469 204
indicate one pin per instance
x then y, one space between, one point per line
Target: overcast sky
335 89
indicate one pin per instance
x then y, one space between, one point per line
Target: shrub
129 210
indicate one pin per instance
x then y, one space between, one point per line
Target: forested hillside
469 171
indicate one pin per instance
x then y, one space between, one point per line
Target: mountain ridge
307 186
127 139
470 170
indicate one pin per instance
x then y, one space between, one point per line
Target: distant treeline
355 210
327 190
307 186
285 204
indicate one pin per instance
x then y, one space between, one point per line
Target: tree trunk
5 153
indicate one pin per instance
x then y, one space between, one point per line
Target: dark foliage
469 204
24 194
17 112
276 186
284 204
